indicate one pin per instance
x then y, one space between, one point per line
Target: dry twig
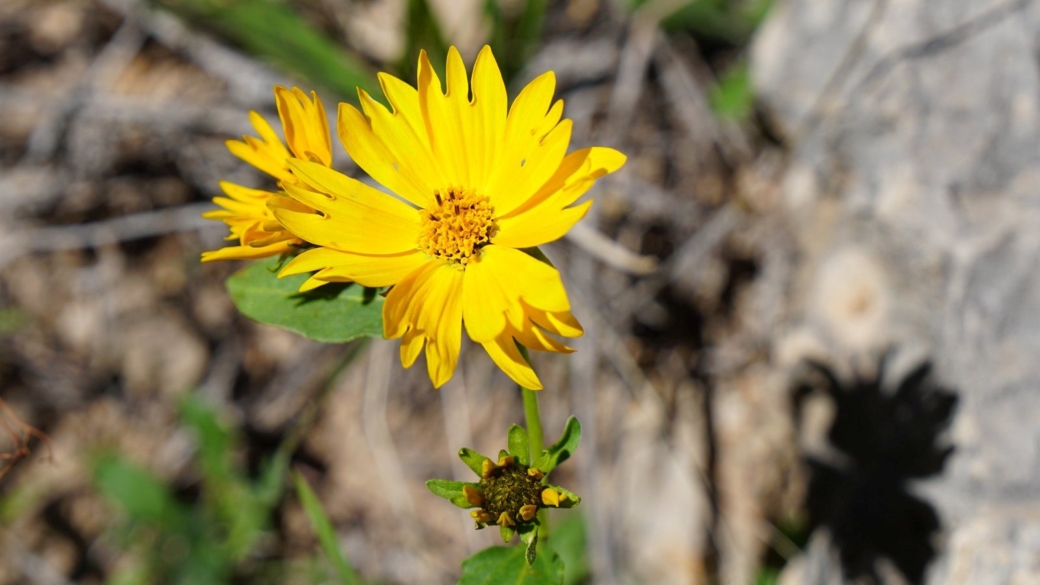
21 435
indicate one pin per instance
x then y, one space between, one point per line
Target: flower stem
534 423
536 440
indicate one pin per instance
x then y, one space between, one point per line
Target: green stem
534 423
536 440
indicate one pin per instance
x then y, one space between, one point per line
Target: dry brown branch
100 233
21 435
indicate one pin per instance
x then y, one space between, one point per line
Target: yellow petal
527 512
390 147
429 301
267 154
411 344
560 323
540 160
551 497
502 291
473 495
540 226
445 123
512 181
489 123
545 217
401 302
535 338
367 270
576 174
504 353
305 124
247 252
441 319
353 216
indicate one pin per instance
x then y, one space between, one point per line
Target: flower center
508 489
458 225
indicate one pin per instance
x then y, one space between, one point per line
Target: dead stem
21 435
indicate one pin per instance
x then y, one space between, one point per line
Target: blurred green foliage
732 97
216 538
323 528
570 541
726 21
279 34
515 35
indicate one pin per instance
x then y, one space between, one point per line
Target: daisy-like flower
512 491
245 210
475 184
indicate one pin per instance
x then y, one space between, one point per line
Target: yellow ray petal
354 217
526 126
391 148
441 319
367 270
484 302
247 252
305 124
539 226
504 353
404 298
446 122
537 283
536 339
545 217
411 345
560 323
489 115
575 175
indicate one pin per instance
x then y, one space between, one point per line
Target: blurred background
810 299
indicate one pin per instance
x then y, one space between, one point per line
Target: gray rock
914 133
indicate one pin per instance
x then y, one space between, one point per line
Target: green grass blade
323 529
279 34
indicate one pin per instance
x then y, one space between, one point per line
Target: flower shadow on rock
887 438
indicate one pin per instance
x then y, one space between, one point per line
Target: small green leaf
507 533
572 499
518 444
502 454
562 449
508 564
529 536
452 490
473 460
334 313
323 529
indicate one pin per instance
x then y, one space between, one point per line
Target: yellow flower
475 186
245 210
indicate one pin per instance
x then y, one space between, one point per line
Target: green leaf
572 500
570 540
507 533
473 460
529 536
518 444
508 564
451 490
334 313
562 449
323 529
139 493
